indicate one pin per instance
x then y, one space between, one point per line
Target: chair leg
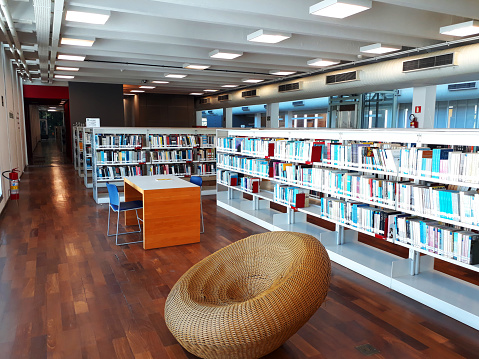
108 228
122 244
202 223
117 223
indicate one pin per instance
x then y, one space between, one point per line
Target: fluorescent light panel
252 81
77 42
147 87
339 8
378 48
66 77
175 76
226 55
462 29
322 62
160 82
195 67
65 68
130 94
87 17
196 93
281 73
71 57
230 86
268 37
209 90
137 91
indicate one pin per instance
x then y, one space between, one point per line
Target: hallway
66 291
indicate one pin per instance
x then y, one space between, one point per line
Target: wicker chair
247 299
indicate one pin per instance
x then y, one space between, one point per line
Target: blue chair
197 180
117 206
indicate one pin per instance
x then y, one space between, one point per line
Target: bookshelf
87 157
367 181
133 151
77 146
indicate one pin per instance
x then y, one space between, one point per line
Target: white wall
12 130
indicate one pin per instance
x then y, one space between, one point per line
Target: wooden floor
66 291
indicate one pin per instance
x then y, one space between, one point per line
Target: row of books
172 155
206 140
121 156
250 184
205 169
117 172
119 140
229 143
173 140
254 166
206 154
229 178
178 169
298 151
433 237
290 195
257 147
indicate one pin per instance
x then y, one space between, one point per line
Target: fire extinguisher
14 180
413 121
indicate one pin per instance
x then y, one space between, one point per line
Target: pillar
228 116
257 120
288 119
199 118
272 115
424 105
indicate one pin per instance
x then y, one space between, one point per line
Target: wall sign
417 109
92 122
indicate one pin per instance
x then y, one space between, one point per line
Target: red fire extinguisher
413 121
14 180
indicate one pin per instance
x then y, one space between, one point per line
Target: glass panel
441 120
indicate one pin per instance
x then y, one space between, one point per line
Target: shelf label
92 122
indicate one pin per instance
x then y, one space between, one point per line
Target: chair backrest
113 194
197 180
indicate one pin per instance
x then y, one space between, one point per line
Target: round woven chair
247 299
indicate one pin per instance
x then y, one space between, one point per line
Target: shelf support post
339 234
414 257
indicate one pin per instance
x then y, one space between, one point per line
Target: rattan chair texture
247 299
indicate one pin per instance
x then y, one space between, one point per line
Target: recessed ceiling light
147 87
252 81
77 42
281 73
160 82
378 48
137 91
196 93
339 8
175 76
322 62
195 67
268 37
87 17
71 57
209 90
65 68
50 110
229 86
67 77
462 29
129 94
227 55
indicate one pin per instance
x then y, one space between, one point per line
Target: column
424 105
272 115
288 119
228 116
199 118
257 120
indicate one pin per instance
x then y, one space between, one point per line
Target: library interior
239 179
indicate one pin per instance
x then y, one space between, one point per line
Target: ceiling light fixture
130 94
230 86
147 87
77 41
65 68
252 81
137 91
378 48
196 93
281 73
195 67
160 82
87 17
226 55
71 57
340 8
175 76
66 77
322 62
209 90
462 29
268 37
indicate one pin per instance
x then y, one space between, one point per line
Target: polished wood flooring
66 291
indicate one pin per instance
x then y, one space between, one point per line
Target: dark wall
162 110
97 100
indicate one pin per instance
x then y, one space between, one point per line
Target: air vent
249 93
245 108
463 86
428 63
344 77
295 86
204 100
298 103
224 97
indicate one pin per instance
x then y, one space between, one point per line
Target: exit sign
417 109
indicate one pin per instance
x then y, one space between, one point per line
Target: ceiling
144 39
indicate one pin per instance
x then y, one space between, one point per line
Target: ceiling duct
430 62
294 86
204 100
43 14
224 97
342 77
249 93
463 86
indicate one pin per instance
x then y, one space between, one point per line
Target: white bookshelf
77 145
87 157
414 276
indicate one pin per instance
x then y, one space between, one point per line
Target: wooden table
171 209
